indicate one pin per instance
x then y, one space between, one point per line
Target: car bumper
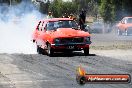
71 46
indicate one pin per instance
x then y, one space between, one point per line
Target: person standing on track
82 18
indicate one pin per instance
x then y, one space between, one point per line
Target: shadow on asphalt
71 54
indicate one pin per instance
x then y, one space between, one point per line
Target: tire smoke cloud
16 25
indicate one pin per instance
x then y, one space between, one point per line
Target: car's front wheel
50 51
86 51
119 32
126 33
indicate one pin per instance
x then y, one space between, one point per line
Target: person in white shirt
49 15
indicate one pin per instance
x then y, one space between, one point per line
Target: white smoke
16 26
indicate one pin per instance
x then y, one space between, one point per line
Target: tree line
115 10
109 10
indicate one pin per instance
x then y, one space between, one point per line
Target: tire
119 32
39 50
86 51
44 52
126 33
81 80
50 51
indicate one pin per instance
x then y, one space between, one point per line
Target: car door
46 34
43 35
40 34
36 32
122 24
49 31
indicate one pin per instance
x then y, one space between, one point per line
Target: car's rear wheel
50 51
39 50
80 80
86 51
119 32
126 33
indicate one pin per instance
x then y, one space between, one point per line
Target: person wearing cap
72 16
49 15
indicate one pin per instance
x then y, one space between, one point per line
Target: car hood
68 32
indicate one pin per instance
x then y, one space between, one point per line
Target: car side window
123 21
129 20
42 26
38 25
37 28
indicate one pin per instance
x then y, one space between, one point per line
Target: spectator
82 18
49 15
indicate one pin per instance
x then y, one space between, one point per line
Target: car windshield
129 20
53 25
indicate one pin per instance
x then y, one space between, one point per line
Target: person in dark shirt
82 18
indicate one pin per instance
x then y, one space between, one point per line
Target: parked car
58 35
125 26
96 27
87 28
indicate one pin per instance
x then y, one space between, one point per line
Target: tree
55 7
118 4
127 7
115 10
44 7
107 10
59 7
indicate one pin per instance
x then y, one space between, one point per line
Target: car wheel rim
48 49
126 33
38 49
118 32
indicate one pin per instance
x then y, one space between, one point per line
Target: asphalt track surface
109 54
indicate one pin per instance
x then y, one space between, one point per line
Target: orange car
60 34
125 26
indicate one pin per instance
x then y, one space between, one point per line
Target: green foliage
107 10
55 7
127 7
17 1
110 10
44 7
59 7
114 10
